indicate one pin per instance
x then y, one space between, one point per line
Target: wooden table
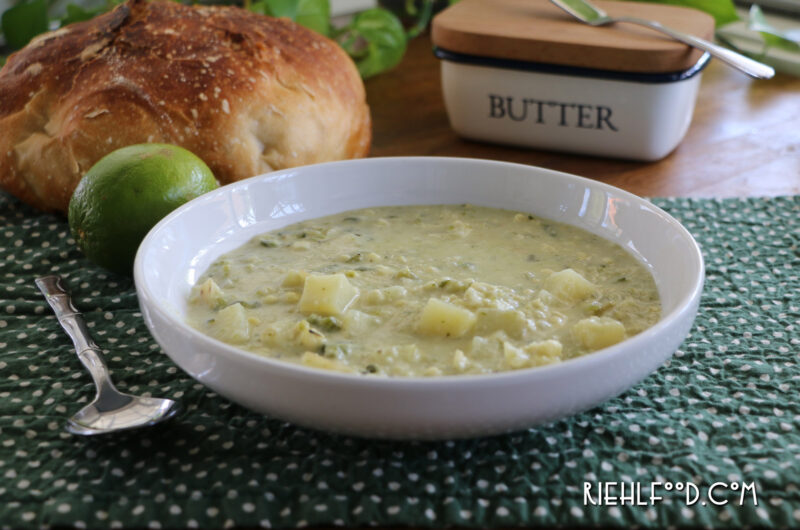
744 139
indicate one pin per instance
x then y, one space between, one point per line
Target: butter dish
521 72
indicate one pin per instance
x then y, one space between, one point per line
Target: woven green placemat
723 411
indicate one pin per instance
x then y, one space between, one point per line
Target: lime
126 193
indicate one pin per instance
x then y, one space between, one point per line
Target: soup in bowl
419 297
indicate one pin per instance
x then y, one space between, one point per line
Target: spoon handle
75 326
745 64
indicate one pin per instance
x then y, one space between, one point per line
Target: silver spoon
586 12
111 410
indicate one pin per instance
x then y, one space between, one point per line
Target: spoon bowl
119 411
594 16
111 410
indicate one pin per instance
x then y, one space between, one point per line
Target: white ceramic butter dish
522 72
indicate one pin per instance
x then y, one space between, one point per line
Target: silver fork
594 16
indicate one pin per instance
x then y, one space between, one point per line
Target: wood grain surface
744 139
538 31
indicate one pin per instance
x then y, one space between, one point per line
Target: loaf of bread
246 93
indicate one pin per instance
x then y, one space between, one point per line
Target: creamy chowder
425 291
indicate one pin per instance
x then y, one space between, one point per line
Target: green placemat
723 411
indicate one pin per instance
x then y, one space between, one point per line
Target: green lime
126 193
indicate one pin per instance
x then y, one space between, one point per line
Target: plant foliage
375 39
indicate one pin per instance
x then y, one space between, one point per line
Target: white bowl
179 249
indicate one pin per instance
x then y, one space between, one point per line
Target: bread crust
246 93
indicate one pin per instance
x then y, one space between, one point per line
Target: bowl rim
583 363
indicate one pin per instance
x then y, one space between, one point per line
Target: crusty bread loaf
245 92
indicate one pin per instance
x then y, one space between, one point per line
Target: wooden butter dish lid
538 31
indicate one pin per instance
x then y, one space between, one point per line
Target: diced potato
384 270
307 337
569 285
395 292
515 357
230 325
460 361
544 352
385 295
405 272
374 297
294 278
210 293
270 299
356 322
290 298
486 289
511 321
326 294
474 298
481 346
480 294
318 361
544 299
498 336
534 354
408 353
595 333
547 348
277 333
444 319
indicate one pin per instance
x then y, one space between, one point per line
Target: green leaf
313 14
772 36
376 40
423 19
277 8
76 13
723 11
258 7
23 22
